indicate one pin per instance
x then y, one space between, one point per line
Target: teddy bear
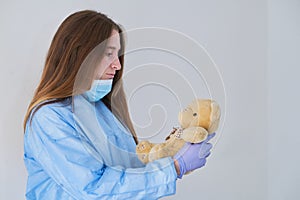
199 119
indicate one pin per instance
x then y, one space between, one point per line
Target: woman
79 140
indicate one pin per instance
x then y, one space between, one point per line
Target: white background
255 44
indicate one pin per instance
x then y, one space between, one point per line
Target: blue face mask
98 90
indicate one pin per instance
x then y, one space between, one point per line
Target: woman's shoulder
56 110
54 119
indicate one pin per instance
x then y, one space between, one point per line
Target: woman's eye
109 54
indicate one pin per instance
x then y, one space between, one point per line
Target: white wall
283 99
250 160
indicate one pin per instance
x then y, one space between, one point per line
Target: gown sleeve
52 142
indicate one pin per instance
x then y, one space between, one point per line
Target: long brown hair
77 36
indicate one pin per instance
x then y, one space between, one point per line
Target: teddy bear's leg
142 149
144 157
194 134
157 152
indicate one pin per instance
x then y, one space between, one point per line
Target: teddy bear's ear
214 117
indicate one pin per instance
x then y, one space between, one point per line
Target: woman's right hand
192 156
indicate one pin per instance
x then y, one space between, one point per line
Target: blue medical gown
88 154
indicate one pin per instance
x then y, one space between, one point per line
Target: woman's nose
116 64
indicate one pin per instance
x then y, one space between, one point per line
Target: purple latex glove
193 156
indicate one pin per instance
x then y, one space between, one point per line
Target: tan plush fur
200 118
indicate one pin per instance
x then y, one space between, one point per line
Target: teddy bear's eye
194 114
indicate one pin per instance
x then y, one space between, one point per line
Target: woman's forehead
113 41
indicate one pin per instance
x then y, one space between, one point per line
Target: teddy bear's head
201 112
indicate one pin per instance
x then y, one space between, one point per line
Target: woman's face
110 62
